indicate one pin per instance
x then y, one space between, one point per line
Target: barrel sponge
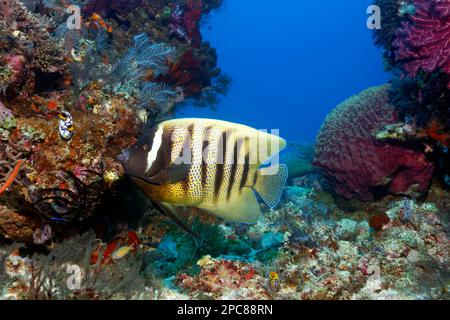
359 166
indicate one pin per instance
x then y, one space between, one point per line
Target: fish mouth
124 158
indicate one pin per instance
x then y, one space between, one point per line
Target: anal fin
241 207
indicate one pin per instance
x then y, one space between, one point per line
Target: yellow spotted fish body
210 164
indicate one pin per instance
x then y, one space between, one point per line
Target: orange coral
12 176
434 131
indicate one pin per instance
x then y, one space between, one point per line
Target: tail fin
270 183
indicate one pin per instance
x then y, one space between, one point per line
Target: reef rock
358 165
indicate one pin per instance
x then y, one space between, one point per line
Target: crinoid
76 202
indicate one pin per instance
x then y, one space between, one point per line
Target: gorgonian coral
423 43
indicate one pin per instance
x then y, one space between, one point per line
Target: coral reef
72 226
356 163
44 277
414 35
225 279
415 39
71 100
421 44
341 256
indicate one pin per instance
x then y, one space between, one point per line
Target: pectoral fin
169 212
172 174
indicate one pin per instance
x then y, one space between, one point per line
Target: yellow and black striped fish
210 164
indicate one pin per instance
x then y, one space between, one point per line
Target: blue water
292 61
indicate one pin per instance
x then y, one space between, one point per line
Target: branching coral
423 43
13 151
11 177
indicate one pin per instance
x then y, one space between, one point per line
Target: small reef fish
65 125
121 252
210 164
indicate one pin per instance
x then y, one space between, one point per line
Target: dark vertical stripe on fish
205 146
246 169
191 140
220 166
234 166
185 186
